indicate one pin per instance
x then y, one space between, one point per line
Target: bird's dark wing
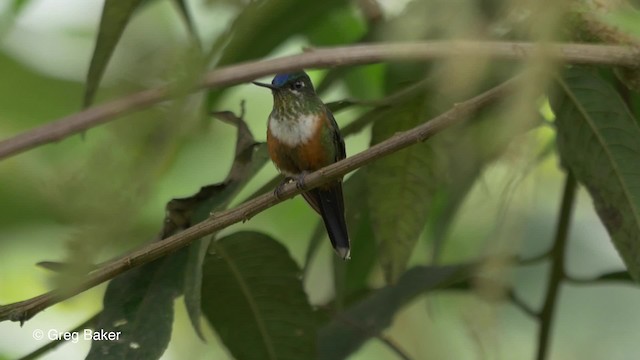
340 153
338 141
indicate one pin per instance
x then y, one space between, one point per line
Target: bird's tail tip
344 252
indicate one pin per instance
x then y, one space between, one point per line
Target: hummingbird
302 137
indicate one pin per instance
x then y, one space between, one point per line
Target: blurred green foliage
435 228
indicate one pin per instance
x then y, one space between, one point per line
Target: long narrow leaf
351 328
115 17
599 141
400 188
250 156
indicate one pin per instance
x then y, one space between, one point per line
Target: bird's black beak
269 86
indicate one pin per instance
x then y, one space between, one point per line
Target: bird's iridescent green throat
293 96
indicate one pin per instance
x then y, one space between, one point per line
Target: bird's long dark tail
330 204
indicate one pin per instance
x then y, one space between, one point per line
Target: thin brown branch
557 273
24 310
317 58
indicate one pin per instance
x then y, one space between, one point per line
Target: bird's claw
278 190
300 183
299 180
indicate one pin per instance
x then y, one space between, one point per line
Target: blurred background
100 194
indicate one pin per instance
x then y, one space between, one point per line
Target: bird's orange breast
310 155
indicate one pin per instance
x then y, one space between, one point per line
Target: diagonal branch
325 57
24 310
557 273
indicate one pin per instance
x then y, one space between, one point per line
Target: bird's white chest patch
293 132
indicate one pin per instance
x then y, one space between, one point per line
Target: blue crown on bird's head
281 79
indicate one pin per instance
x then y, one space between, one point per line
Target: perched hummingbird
302 136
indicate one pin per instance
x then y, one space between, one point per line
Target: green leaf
139 305
365 82
249 159
146 292
351 328
599 141
16 102
253 297
19 5
218 197
618 276
192 29
400 188
115 17
264 25
343 25
209 198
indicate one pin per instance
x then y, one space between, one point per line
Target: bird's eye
297 85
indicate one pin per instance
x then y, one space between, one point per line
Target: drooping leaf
598 140
139 305
253 297
349 329
400 188
223 194
114 19
618 276
197 208
249 158
183 9
156 285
